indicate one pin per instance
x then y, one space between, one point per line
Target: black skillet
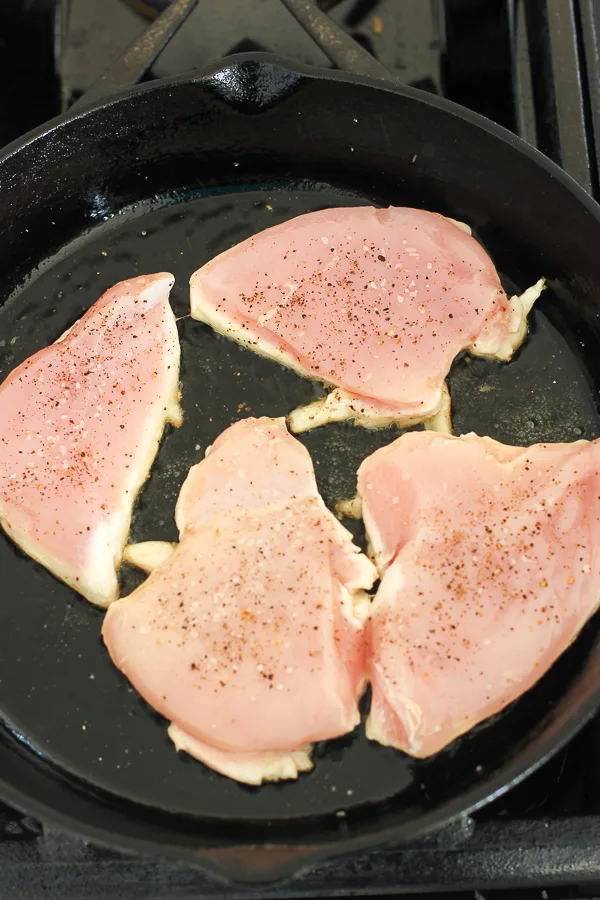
164 177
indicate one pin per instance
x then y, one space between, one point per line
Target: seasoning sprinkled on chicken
374 303
80 424
489 557
249 635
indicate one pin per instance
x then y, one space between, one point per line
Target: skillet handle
135 61
343 51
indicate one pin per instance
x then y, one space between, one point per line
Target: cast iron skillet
164 177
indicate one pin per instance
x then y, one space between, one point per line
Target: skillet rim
510 774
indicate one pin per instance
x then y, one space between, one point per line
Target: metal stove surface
533 66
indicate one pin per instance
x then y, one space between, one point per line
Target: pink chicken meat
489 557
81 421
375 303
248 636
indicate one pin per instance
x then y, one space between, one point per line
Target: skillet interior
165 179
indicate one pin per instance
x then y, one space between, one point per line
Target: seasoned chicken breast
375 303
489 559
80 424
248 636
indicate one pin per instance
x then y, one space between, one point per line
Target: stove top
532 66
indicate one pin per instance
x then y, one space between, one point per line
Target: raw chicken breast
490 558
374 302
248 636
81 422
